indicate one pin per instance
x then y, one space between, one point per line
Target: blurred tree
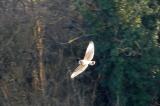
40 41
38 50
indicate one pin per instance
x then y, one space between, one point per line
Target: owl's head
92 63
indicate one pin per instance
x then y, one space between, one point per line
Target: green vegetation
127 52
41 41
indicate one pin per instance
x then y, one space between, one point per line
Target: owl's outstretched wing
89 52
78 70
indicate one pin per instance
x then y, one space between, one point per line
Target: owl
83 64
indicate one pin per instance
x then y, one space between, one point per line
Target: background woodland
41 42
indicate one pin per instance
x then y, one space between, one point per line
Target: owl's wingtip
72 76
91 41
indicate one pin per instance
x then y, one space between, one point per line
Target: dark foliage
127 51
42 40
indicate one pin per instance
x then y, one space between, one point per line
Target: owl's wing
89 52
78 70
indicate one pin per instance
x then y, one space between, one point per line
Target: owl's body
86 62
83 64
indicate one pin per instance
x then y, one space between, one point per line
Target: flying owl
83 64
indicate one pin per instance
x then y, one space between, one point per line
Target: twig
74 39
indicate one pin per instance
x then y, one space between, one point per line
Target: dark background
41 42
